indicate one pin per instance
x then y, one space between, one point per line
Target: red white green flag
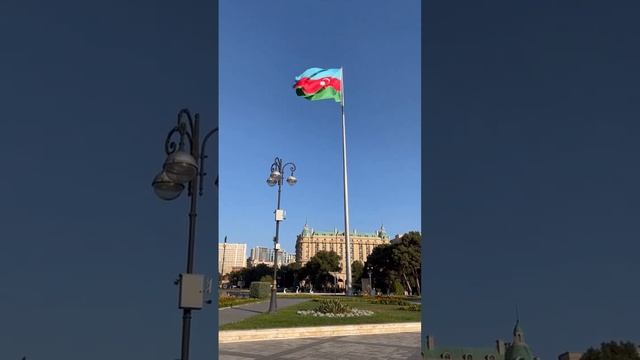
320 84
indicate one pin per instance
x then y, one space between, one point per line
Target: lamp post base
273 306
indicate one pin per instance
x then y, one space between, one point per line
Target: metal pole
273 305
193 186
346 193
224 252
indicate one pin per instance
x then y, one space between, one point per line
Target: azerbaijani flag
320 84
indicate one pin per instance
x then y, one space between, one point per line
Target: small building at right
515 350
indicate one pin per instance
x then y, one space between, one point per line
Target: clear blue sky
263 46
531 172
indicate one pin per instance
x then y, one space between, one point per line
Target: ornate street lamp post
277 173
370 270
224 251
185 165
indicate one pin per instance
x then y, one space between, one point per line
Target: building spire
518 334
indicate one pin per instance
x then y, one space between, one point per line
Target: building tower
518 349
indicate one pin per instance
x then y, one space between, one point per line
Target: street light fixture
277 169
165 188
181 167
185 164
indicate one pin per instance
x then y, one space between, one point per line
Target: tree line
395 268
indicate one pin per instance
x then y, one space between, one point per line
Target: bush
390 300
332 306
259 290
397 287
267 279
410 307
224 301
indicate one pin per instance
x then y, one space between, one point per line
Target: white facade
263 255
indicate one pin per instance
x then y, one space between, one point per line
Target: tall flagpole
346 192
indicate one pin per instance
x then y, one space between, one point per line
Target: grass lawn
287 316
231 301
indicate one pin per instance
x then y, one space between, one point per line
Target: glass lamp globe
271 181
165 188
291 180
181 167
276 175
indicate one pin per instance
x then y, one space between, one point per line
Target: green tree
383 268
317 270
357 269
257 272
289 275
267 278
400 260
236 276
407 259
612 350
397 287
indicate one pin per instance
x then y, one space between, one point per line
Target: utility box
191 291
280 215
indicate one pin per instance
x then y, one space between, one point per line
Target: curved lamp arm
203 156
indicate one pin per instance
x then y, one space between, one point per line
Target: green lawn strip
235 302
287 317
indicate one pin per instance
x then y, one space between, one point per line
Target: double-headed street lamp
370 270
277 174
185 165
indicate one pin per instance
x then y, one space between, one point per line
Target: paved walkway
241 312
375 347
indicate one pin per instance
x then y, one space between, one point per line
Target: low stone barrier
230 336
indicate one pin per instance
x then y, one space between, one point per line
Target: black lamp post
370 270
224 251
277 173
185 164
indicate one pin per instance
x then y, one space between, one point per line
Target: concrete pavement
374 347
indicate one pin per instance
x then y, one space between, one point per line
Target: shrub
410 307
398 289
267 279
224 301
390 300
333 306
259 290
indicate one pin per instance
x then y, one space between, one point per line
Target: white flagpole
348 284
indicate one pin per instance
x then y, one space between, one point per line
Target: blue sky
263 46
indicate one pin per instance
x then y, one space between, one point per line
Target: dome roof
518 352
306 231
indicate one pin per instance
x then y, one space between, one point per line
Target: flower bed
334 308
351 313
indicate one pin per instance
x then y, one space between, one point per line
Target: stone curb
231 336
238 306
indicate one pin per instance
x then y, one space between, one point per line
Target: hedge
260 290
